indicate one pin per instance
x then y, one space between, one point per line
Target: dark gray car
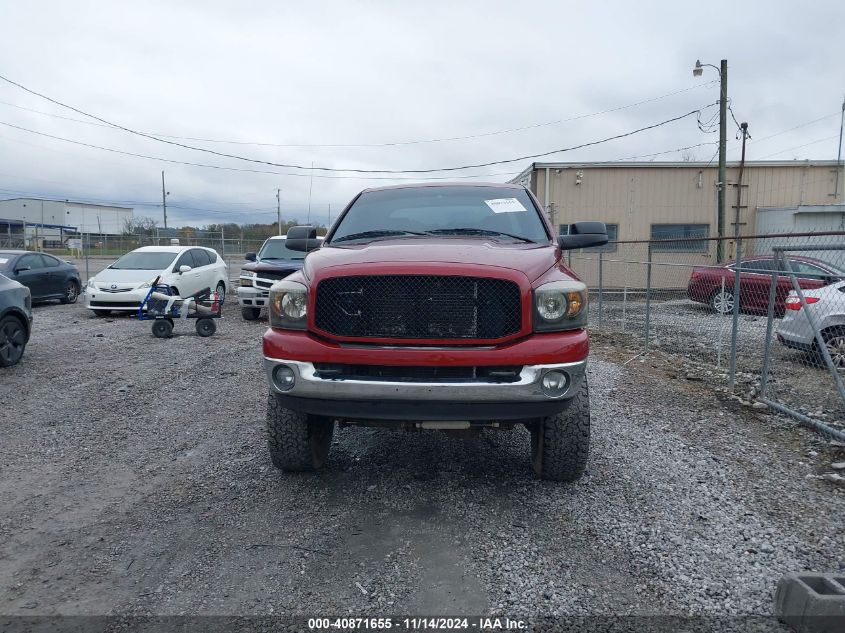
47 277
15 320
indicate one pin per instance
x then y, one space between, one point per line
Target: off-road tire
297 442
560 444
250 314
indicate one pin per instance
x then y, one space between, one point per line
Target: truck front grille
450 374
418 307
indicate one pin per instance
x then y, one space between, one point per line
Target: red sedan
755 278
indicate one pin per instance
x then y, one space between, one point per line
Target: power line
789 149
364 171
353 170
240 169
365 145
827 116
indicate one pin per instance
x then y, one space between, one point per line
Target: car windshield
276 249
144 260
503 213
6 259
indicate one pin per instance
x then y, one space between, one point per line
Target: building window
685 235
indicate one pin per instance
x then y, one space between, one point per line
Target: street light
697 71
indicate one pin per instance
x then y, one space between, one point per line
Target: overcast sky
380 72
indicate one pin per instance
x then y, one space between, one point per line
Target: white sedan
828 307
123 285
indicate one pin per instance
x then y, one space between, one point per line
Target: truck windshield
499 212
144 260
276 249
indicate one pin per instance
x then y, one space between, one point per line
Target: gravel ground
134 480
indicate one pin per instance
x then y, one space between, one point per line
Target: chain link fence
672 296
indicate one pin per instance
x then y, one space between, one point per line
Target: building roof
673 164
85 204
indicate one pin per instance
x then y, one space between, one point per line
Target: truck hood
531 259
273 265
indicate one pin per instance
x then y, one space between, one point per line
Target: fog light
555 383
283 378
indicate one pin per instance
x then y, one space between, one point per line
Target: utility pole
839 154
723 126
737 291
279 210
164 199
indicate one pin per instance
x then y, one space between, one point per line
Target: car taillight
695 274
794 303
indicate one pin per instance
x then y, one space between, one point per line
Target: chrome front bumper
251 297
527 389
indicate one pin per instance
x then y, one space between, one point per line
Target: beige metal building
644 200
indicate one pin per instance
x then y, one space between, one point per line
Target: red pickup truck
433 307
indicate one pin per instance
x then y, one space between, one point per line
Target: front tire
221 292
297 442
12 341
560 444
250 314
71 293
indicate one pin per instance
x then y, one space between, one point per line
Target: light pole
697 71
839 153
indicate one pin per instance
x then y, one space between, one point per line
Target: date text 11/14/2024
417 624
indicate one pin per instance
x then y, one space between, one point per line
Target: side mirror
184 268
583 235
302 239
20 269
251 257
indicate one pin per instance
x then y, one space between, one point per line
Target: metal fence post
648 297
767 345
737 293
601 288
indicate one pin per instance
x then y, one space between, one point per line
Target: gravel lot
134 480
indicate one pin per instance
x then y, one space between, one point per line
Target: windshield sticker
505 205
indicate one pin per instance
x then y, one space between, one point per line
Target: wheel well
833 329
17 314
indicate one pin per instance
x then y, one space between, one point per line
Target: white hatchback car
123 285
828 307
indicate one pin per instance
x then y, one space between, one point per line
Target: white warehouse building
37 221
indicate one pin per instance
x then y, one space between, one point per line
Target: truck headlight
560 305
289 305
247 279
